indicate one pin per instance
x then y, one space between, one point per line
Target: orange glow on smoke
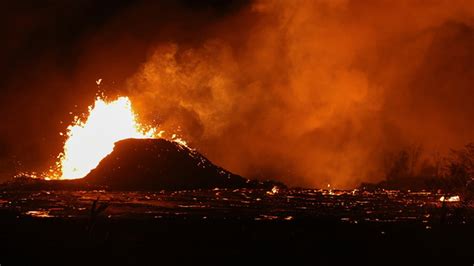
91 140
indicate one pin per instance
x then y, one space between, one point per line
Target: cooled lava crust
152 164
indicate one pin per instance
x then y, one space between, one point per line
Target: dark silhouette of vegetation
452 174
460 171
96 209
404 163
459 168
410 168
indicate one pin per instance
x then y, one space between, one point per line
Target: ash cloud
317 92
306 92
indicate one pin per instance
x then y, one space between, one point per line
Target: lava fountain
89 141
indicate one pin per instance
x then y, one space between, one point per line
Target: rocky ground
234 226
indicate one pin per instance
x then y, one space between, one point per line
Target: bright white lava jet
91 140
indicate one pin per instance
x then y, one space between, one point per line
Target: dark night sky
53 51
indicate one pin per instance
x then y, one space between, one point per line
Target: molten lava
450 199
91 140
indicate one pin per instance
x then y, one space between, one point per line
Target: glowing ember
450 199
178 140
39 214
90 141
274 191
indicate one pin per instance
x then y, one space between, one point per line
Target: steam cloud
306 92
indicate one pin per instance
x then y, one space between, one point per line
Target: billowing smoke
317 92
306 92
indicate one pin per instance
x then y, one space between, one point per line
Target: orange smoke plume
317 92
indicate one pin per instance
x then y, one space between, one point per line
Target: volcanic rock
154 164
25 182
